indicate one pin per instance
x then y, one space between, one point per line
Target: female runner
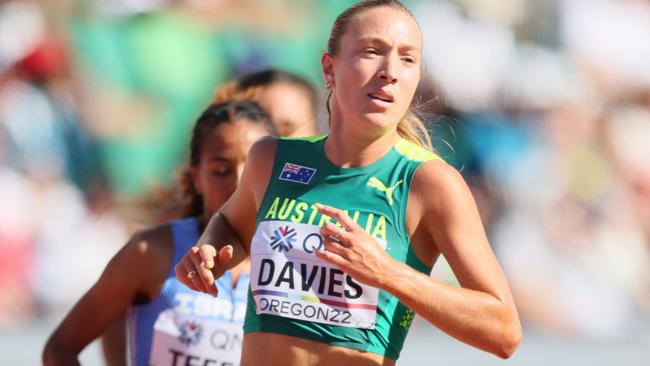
343 230
169 324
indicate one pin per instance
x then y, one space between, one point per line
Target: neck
350 148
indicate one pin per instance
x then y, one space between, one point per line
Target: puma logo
381 187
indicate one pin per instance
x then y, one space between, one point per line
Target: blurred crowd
544 106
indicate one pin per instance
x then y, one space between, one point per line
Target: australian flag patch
297 173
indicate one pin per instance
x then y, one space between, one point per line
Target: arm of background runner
225 242
114 343
482 312
132 270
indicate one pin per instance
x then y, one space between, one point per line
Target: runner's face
377 68
223 154
290 109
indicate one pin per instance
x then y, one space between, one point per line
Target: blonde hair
410 127
413 129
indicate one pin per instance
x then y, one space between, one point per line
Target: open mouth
382 96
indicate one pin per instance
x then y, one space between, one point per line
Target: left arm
442 211
114 343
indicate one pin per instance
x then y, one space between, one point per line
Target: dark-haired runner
168 323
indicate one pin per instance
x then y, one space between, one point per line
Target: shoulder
438 174
141 265
150 246
438 186
147 257
265 144
262 152
259 163
150 236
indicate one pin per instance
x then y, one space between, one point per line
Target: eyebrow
379 41
218 158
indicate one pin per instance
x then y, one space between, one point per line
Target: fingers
333 246
331 257
181 275
198 270
335 240
193 278
186 274
200 258
339 215
206 253
225 255
336 232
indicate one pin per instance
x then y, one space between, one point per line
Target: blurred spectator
610 40
44 217
562 189
17 257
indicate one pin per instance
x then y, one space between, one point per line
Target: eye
409 59
370 51
220 171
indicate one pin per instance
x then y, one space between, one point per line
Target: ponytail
411 128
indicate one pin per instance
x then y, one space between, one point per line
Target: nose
234 179
388 73
240 171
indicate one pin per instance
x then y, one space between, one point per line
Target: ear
196 181
327 65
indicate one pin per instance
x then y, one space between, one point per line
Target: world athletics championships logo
283 239
191 333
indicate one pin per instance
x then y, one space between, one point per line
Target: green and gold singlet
294 293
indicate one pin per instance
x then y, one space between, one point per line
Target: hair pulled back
229 105
410 127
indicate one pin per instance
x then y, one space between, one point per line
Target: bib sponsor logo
296 284
191 333
297 173
283 239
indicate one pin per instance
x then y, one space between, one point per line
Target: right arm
225 242
129 273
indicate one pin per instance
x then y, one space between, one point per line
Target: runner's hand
202 265
351 249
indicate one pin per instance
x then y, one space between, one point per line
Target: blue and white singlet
181 326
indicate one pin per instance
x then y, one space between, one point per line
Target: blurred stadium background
544 105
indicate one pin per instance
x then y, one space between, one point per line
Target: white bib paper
288 280
188 341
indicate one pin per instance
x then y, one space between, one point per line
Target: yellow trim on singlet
415 152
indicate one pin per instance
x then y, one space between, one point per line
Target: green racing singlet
294 293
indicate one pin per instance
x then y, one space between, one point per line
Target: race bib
288 280
180 340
